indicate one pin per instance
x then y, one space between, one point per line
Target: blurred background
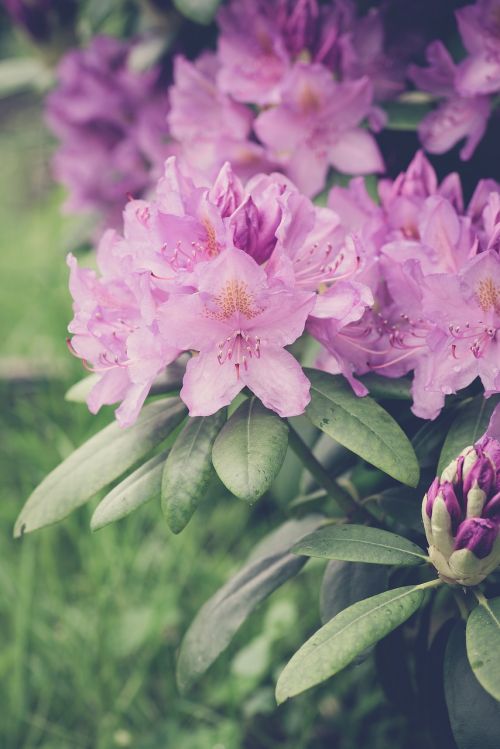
90 623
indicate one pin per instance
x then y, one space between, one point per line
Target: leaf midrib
378 545
363 423
352 622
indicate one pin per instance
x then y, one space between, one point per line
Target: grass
91 622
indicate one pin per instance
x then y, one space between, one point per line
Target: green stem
430 584
311 463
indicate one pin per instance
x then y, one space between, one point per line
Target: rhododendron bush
277 303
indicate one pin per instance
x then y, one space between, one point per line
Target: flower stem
346 503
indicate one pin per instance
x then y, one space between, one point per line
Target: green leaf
360 543
78 393
405 116
339 641
362 426
23 73
398 504
345 583
470 424
429 439
219 619
188 469
98 462
483 645
474 715
200 11
140 487
387 388
250 449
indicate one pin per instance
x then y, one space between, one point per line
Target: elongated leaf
406 116
345 583
219 619
359 543
78 393
188 469
469 425
339 641
474 714
387 388
483 645
201 11
362 426
98 462
428 441
393 670
250 450
400 505
140 487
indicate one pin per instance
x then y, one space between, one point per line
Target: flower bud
461 512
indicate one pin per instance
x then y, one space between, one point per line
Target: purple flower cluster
464 88
291 85
410 284
434 269
111 122
229 272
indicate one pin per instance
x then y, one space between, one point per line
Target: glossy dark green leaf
474 714
140 487
360 543
345 583
188 469
250 449
362 426
219 619
483 645
95 464
470 424
344 637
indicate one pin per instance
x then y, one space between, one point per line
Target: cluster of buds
461 512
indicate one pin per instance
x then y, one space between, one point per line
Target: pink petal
208 385
356 152
278 380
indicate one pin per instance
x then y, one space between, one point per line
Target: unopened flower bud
461 512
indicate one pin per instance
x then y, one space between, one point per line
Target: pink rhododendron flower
239 321
317 125
114 334
260 41
479 28
111 124
210 126
465 308
457 117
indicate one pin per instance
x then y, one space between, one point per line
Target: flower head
111 124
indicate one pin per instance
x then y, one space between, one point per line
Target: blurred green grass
91 623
